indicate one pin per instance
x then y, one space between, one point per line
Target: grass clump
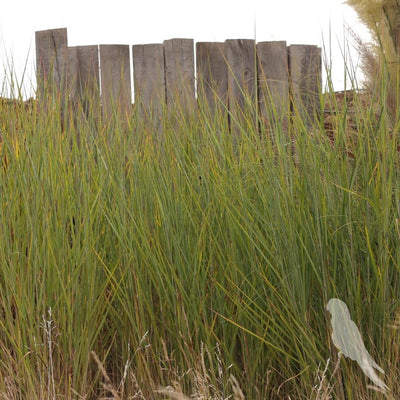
192 263
380 59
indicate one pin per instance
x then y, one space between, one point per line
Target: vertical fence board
48 71
241 59
85 83
67 64
88 81
212 77
68 58
273 84
115 80
80 86
179 75
149 82
305 80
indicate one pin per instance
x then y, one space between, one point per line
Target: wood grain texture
88 80
241 59
212 76
305 69
115 80
84 80
273 83
149 79
179 75
48 70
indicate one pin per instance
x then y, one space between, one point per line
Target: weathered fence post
305 80
66 60
115 81
273 85
149 83
212 78
49 71
79 85
241 61
179 76
86 96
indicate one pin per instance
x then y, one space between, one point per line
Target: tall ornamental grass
188 263
380 59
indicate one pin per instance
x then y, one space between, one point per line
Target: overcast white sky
152 21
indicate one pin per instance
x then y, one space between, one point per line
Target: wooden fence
231 76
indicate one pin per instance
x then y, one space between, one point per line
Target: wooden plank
241 59
305 69
115 80
80 85
82 82
48 71
212 77
273 84
88 80
149 82
179 75
66 61
67 64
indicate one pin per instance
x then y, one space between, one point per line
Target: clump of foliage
382 17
